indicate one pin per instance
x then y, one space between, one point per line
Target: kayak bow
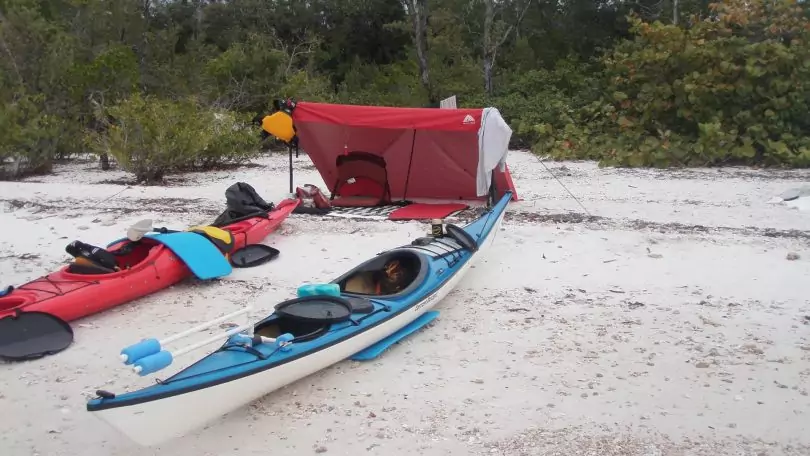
327 323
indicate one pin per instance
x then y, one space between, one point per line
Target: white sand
668 323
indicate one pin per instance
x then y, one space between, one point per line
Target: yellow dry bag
280 125
222 239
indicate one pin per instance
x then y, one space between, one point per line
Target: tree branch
513 26
8 50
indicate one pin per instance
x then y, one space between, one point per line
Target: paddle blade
139 229
32 335
253 255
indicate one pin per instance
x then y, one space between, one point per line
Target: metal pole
291 169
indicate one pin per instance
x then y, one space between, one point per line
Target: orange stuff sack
280 125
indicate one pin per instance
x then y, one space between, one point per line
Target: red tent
428 152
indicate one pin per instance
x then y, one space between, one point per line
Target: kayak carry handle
153 346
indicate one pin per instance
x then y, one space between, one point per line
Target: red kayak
146 266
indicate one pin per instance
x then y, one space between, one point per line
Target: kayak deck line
55 283
344 319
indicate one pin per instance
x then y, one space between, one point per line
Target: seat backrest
92 255
83 265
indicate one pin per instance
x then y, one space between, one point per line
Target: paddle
141 228
149 355
253 255
31 335
137 231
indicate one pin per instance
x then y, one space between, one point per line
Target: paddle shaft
202 343
157 361
210 340
202 326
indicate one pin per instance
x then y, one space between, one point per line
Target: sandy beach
668 314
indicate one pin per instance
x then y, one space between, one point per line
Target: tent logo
468 120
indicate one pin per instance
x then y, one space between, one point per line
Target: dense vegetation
164 86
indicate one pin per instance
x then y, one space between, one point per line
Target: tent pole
291 169
410 162
492 190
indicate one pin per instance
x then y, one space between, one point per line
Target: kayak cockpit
395 272
309 317
91 260
302 330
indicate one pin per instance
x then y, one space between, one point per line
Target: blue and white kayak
305 335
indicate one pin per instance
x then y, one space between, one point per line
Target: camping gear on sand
98 279
325 324
312 200
423 211
253 255
379 154
31 335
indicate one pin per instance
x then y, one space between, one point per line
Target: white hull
157 421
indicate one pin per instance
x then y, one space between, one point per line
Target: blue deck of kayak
224 365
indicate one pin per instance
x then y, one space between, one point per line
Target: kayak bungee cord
55 284
445 251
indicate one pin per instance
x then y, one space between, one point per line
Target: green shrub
732 89
151 137
396 84
536 102
29 137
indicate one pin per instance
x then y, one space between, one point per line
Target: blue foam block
377 349
317 289
197 252
143 348
153 363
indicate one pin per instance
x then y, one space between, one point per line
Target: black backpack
242 202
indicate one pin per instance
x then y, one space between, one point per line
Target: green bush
396 84
728 90
151 137
539 101
29 137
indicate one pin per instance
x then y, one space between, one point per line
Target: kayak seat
102 261
275 326
89 259
83 265
388 274
362 181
